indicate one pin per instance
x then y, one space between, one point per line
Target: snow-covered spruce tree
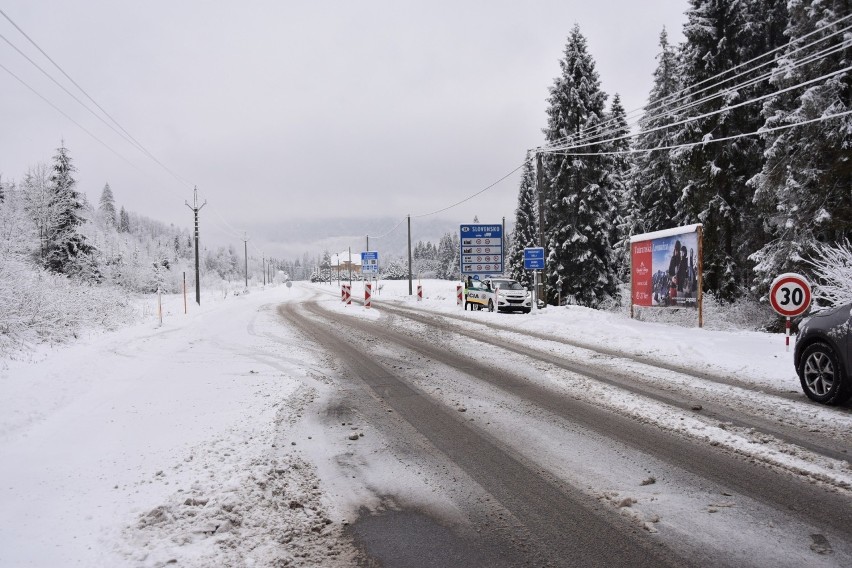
721 34
123 221
579 199
803 190
448 256
525 234
621 230
67 248
654 190
106 208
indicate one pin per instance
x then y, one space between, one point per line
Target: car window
507 284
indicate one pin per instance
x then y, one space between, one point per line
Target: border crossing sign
370 262
481 249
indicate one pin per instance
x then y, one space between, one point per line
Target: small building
340 261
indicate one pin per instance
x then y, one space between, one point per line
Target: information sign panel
370 262
534 258
481 249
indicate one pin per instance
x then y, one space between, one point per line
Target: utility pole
409 256
368 243
263 267
245 249
539 186
195 209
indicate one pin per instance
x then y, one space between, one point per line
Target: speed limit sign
790 295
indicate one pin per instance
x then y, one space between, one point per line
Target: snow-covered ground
173 441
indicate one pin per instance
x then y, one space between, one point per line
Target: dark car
823 355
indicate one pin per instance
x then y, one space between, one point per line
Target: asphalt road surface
539 473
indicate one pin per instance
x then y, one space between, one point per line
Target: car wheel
490 306
821 375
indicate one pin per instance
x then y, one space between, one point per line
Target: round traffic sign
790 294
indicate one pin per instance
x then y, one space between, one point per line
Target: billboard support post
700 276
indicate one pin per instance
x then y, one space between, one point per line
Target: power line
709 140
60 111
481 191
698 117
67 76
685 92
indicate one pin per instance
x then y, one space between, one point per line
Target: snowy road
281 428
580 448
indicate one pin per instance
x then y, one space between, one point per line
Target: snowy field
162 443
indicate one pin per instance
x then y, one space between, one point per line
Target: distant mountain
389 236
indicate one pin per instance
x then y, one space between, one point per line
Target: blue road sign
370 262
534 258
481 249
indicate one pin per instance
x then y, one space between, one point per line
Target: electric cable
686 90
67 76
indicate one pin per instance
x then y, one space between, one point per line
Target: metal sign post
534 260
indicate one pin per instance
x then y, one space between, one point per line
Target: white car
511 295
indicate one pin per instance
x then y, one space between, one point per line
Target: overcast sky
284 110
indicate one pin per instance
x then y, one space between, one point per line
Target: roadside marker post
419 293
368 295
459 295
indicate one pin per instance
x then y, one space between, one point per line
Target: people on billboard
683 272
674 265
693 274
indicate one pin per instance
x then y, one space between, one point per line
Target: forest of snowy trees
747 130
66 264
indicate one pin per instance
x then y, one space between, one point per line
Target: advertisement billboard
666 268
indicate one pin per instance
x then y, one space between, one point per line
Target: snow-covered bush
744 313
832 266
43 307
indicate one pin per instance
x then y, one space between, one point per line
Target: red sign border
784 279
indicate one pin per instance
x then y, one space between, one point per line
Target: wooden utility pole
195 209
409 256
245 249
539 186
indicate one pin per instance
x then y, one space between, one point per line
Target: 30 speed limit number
790 294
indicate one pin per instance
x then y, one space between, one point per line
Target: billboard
666 268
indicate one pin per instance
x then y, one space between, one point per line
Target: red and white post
419 293
459 294
787 333
368 295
